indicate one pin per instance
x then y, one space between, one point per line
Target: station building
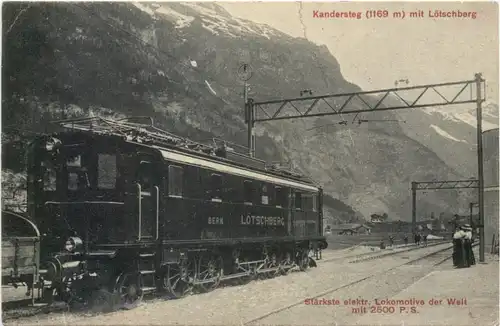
491 187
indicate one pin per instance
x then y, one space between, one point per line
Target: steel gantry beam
367 101
373 101
436 185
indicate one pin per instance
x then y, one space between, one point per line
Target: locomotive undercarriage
109 283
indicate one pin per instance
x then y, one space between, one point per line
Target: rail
258 319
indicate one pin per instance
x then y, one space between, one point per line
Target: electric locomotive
128 209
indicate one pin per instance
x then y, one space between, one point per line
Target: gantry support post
414 206
480 177
249 110
471 205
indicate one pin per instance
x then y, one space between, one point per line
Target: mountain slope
64 60
450 132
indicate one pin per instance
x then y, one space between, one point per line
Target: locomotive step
147 272
210 280
146 255
148 289
267 270
237 275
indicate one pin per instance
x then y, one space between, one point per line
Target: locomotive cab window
175 181
280 196
264 196
78 176
74 162
106 171
216 187
298 201
144 176
307 202
248 192
314 203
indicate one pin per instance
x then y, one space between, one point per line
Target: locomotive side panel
306 214
182 204
206 204
258 212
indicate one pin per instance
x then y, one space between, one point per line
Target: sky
374 53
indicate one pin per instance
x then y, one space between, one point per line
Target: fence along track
276 311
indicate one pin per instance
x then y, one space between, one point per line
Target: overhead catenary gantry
436 185
374 101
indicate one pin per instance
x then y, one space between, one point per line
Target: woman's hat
466 227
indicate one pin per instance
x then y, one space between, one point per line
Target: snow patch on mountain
214 19
490 117
210 88
226 24
445 134
181 20
144 8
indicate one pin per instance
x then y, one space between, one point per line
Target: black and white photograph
250 163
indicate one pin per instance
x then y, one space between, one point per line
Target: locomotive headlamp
73 243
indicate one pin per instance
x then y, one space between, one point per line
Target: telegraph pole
480 176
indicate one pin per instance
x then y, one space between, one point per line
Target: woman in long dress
459 256
468 245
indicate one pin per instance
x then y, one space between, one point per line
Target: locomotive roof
268 176
183 153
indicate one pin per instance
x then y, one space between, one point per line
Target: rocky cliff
178 63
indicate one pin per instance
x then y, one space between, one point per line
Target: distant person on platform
425 239
391 240
405 239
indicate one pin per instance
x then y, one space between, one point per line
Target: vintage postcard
250 163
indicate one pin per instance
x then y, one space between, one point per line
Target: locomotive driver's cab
99 190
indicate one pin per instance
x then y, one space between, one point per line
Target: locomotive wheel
129 289
101 301
243 279
177 279
209 268
273 262
285 263
303 260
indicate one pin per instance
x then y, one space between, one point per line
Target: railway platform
467 296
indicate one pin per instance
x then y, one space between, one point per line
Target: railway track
356 258
23 310
435 257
